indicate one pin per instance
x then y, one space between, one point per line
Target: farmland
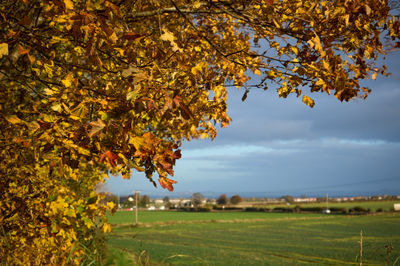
372 205
254 238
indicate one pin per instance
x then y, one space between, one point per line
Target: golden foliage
94 86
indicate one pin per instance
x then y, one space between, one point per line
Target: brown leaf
110 156
132 36
96 127
245 95
177 154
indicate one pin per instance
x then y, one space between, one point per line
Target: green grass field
245 238
372 205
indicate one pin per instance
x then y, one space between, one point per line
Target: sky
275 147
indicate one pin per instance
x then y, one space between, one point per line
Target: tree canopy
92 86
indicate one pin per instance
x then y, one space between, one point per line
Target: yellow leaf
13 119
197 4
113 37
311 43
33 126
374 75
68 80
346 19
320 82
367 10
3 49
203 135
57 108
68 4
129 71
257 72
276 24
294 49
325 64
31 59
107 228
48 70
197 68
110 205
169 36
317 43
50 91
307 100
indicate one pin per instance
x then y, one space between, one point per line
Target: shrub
339 210
204 209
359 209
282 209
312 209
252 209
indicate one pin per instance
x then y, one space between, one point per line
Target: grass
241 238
373 205
125 217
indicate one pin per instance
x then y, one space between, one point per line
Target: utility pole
136 205
136 209
327 201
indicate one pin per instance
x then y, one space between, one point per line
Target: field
246 238
372 205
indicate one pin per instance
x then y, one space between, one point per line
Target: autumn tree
92 86
236 199
222 200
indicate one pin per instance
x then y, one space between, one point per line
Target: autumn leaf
96 127
269 2
13 119
3 49
167 183
142 77
169 36
244 97
307 100
110 157
22 50
68 80
177 154
132 36
129 71
107 228
69 4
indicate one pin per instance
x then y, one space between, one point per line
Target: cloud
276 145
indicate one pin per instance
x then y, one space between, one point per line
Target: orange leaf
167 183
22 50
110 156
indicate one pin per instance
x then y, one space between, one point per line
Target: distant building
158 201
396 206
305 200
